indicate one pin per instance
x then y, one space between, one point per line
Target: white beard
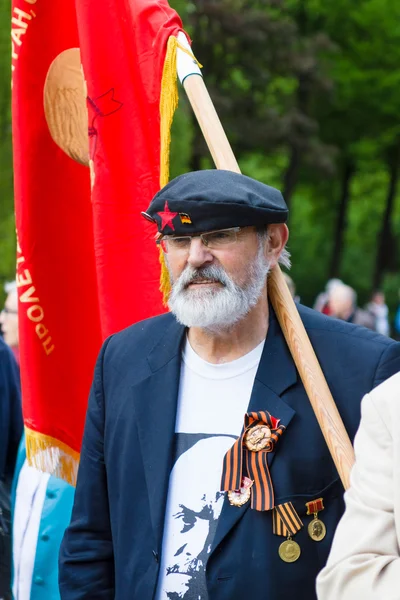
217 309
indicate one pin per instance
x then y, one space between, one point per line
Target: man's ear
278 235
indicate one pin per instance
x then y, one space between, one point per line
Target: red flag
58 311
123 47
82 274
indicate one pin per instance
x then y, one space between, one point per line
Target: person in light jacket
364 561
42 507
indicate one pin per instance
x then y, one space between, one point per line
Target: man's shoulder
136 341
142 329
388 391
353 359
351 352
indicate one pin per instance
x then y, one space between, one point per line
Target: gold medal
240 497
289 551
316 530
258 437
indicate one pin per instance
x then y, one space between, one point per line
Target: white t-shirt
212 402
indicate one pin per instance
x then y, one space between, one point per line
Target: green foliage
7 222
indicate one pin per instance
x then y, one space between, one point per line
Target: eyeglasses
9 311
211 239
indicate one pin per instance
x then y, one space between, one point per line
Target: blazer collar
168 346
155 406
276 370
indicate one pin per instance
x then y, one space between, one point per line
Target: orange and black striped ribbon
240 462
315 506
285 520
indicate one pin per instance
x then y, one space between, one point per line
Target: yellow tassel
48 454
168 104
165 281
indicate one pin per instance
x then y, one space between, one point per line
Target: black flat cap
214 199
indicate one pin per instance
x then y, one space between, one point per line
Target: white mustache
212 273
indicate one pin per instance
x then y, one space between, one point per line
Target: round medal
289 551
258 437
316 530
239 497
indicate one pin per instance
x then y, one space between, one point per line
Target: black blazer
113 545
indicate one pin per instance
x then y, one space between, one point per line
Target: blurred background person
10 434
9 318
343 305
396 322
378 308
42 506
321 303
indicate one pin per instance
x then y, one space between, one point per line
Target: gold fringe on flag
47 454
168 104
165 282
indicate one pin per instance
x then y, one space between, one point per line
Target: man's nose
198 253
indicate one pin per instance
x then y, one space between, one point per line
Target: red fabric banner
58 311
123 46
84 269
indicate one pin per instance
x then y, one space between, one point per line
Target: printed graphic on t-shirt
192 514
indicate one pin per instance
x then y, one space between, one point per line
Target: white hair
284 257
343 292
332 283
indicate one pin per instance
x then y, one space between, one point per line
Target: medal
240 497
248 457
286 522
258 437
316 528
289 551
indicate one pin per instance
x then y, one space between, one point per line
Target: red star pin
167 216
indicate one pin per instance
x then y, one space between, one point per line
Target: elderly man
204 473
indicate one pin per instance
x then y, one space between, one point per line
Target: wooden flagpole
288 316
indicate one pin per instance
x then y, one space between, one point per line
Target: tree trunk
386 254
291 175
341 223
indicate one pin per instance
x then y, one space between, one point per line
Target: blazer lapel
155 407
275 374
